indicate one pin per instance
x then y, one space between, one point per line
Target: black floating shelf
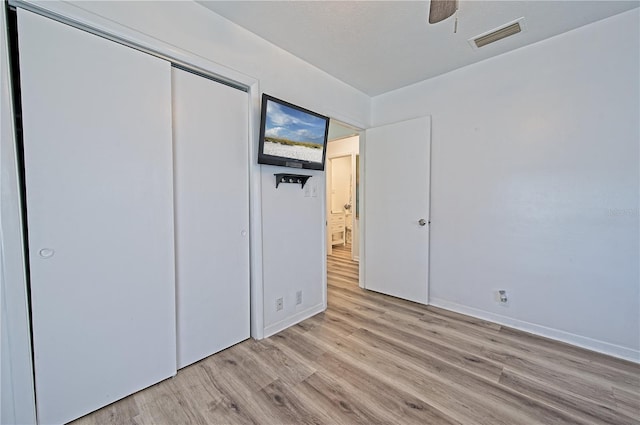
291 178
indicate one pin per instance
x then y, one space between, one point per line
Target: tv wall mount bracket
291 178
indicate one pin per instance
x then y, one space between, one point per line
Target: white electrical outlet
298 297
279 304
502 296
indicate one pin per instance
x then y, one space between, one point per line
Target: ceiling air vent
498 34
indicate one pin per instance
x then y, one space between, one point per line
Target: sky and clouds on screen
288 123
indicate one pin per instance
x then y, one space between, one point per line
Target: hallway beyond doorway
340 266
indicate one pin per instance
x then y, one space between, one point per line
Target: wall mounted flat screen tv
292 136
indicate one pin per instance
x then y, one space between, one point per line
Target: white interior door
340 183
98 174
211 125
396 195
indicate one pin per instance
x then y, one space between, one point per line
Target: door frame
359 130
15 328
362 152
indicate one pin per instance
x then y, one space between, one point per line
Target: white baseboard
573 339
292 320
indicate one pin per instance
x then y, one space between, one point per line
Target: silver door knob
422 222
46 252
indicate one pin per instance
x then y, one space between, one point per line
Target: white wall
535 185
294 248
192 27
17 399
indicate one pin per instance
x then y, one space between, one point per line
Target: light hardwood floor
373 359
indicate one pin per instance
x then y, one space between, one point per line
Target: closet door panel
212 215
98 174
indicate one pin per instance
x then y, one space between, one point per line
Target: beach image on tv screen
290 133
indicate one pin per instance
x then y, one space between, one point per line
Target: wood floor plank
581 372
627 402
562 399
271 359
375 359
464 319
282 400
343 405
293 339
506 405
403 332
539 341
123 412
399 404
378 301
171 407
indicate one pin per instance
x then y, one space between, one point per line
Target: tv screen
291 136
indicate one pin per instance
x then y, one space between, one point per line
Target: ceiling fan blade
441 9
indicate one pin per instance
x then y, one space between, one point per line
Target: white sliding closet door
98 171
212 215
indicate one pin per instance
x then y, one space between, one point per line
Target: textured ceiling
378 46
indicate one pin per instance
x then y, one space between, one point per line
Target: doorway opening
343 207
